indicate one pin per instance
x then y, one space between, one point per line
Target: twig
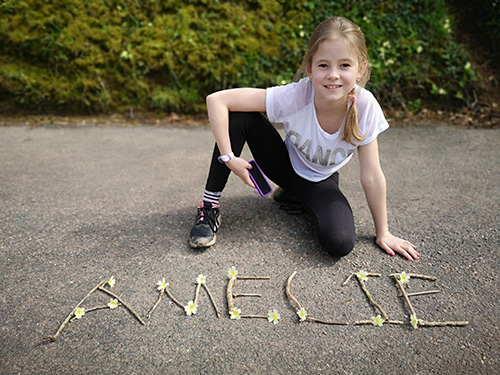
162 292
89 310
253 277
417 276
197 294
442 324
295 302
348 278
236 295
355 273
229 294
405 296
123 303
212 299
423 293
372 301
173 298
68 318
329 322
254 316
366 322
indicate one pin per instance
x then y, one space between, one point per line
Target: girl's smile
333 71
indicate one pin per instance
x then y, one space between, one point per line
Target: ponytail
351 128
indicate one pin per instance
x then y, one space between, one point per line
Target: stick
63 324
354 274
162 291
197 294
212 299
423 293
89 310
246 295
442 324
349 278
405 296
253 277
173 298
254 316
123 303
366 322
372 301
417 276
294 301
229 294
326 321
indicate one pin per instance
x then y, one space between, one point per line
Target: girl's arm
219 105
373 182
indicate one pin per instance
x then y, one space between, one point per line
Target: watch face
225 158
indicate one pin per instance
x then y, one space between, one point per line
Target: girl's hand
240 168
392 244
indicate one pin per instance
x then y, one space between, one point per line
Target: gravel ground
79 204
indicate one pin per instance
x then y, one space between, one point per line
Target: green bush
108 55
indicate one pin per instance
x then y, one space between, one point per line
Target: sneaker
207 222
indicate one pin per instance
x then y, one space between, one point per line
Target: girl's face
334 71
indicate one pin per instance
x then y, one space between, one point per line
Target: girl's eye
345 65
322 66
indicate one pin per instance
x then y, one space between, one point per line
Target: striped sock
212 197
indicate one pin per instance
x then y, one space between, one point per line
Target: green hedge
109 55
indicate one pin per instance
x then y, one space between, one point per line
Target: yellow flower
404 277
162 285
235 314
201 279
273 316
363 275
232 273
414 321
113 303
302 314
191 308
111 281
79 312
377 321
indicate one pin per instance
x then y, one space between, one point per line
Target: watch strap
225 158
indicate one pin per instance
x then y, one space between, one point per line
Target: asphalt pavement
80 204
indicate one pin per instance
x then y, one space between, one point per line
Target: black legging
322 200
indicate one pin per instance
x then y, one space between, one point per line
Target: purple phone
259 180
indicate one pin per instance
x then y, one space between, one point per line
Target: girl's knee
339 244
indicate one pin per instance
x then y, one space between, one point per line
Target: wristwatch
225 158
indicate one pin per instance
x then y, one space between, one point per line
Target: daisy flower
414 321
201 279
79 312
273 316
232 273
302 314
162 285
377 321
362 275
235 314
404 277
191 308
111 281
113 303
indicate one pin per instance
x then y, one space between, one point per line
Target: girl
327 116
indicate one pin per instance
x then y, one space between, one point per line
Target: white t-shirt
314 153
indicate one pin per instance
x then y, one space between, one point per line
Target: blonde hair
341 28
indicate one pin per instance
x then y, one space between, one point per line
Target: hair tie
352 97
